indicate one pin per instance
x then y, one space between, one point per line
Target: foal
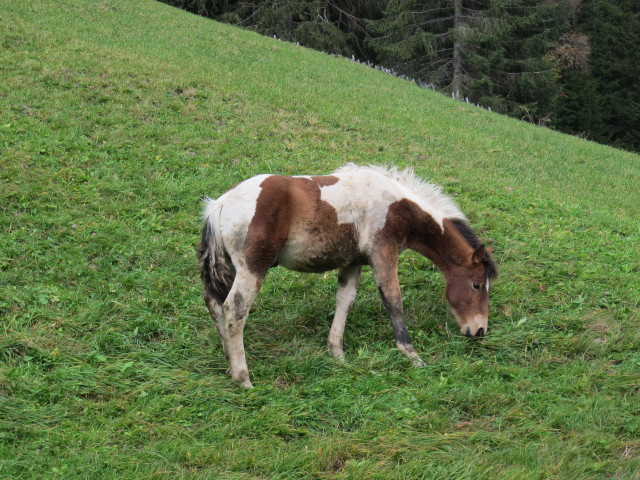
356 216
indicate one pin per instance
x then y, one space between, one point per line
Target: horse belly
314 255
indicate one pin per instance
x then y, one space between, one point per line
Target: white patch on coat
362 196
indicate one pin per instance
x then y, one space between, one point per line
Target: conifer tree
494 52
601 96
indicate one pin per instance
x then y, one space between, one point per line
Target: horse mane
474 242
428 192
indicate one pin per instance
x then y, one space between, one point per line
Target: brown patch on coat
293 226
406 224
325 180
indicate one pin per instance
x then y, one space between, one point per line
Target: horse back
310 223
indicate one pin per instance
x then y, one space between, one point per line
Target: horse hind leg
214 305
347 284
235 311
229 295
217 273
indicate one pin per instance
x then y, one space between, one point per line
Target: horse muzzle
477 327
479 333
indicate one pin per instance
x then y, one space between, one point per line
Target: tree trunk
456 82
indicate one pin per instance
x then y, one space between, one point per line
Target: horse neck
444 246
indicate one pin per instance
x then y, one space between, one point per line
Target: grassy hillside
117 116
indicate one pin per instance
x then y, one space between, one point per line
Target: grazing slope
116 116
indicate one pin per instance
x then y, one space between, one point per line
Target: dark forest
571 65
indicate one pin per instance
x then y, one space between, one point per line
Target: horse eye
476 286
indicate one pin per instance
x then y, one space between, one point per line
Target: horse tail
216 269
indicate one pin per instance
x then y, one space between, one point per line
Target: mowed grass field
117 116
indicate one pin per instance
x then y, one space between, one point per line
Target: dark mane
473 240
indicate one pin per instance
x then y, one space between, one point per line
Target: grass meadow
117 116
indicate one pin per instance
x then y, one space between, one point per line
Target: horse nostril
480 332
468 332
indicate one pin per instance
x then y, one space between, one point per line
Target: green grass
116 116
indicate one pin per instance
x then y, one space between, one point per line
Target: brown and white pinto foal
356 216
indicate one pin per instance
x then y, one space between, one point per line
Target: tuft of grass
117 116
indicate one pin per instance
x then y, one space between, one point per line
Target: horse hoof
245 384
419 363
337 354
242 379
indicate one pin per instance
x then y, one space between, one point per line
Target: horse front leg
385 270
347 284
235 311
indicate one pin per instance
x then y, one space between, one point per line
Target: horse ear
478 254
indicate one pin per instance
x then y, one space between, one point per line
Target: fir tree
602 100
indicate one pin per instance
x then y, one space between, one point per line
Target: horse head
467 290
